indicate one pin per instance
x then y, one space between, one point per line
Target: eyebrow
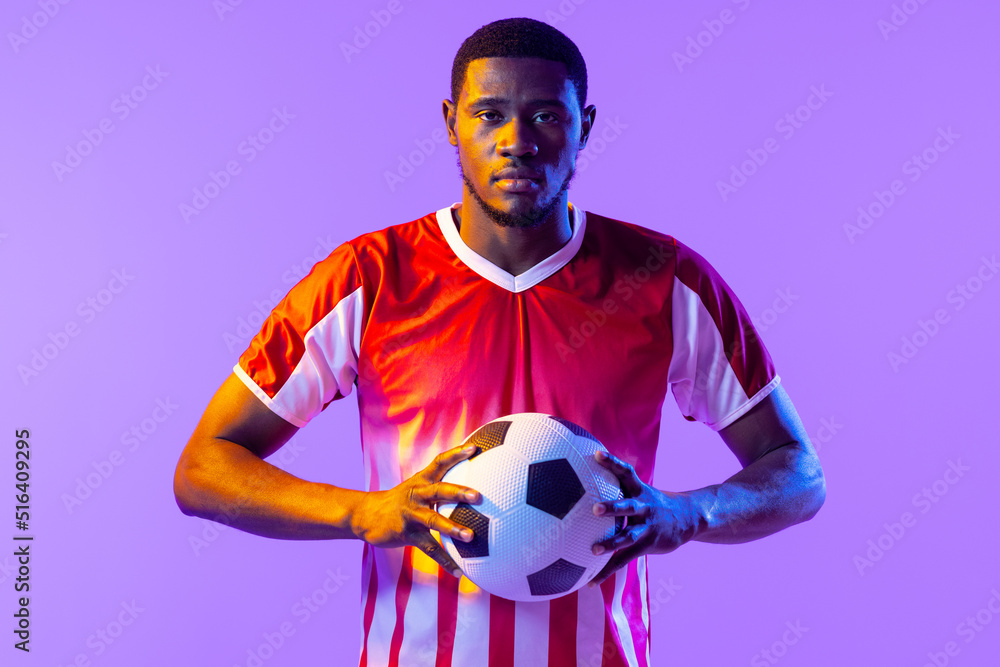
502 101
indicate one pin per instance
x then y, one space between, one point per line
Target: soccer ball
534 529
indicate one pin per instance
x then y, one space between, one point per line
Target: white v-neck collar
498 276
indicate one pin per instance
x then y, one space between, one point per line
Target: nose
516 139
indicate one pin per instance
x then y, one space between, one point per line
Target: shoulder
605 226
380 246
629 242
396 239
636 244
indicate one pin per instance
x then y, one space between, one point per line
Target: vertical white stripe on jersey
643 589
472 641
589 626
368 469
388 565
700 376
531 632
380 448
420 630
366 578
624 629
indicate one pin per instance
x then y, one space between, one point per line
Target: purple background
886 433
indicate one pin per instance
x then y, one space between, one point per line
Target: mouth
519 184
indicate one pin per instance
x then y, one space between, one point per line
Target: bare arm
221 475
781 484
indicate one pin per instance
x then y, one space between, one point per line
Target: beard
533 218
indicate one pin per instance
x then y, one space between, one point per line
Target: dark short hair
520 38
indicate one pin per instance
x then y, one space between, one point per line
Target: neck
513 249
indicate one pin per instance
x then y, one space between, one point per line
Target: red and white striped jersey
438 341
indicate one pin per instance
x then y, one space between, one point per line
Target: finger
426 543
617 561
434 521
630 482
626 507
625 538
445 460
445 492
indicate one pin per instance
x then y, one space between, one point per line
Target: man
512 301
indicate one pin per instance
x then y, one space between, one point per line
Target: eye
485 113
553 118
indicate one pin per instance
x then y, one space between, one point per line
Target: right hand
405 515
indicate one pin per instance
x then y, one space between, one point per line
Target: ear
450 111
587 124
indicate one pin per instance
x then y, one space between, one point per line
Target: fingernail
457 572
601 454
598 550
598 509
466 534
469 449
471 497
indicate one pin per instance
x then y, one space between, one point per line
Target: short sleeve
719 367
306 353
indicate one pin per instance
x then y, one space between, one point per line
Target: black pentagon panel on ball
488 436
553 487
576 429
466 515
555 579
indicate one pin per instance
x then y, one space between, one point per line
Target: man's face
517 127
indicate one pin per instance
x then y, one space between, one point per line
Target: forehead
513 78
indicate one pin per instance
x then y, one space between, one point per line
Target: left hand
658 522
